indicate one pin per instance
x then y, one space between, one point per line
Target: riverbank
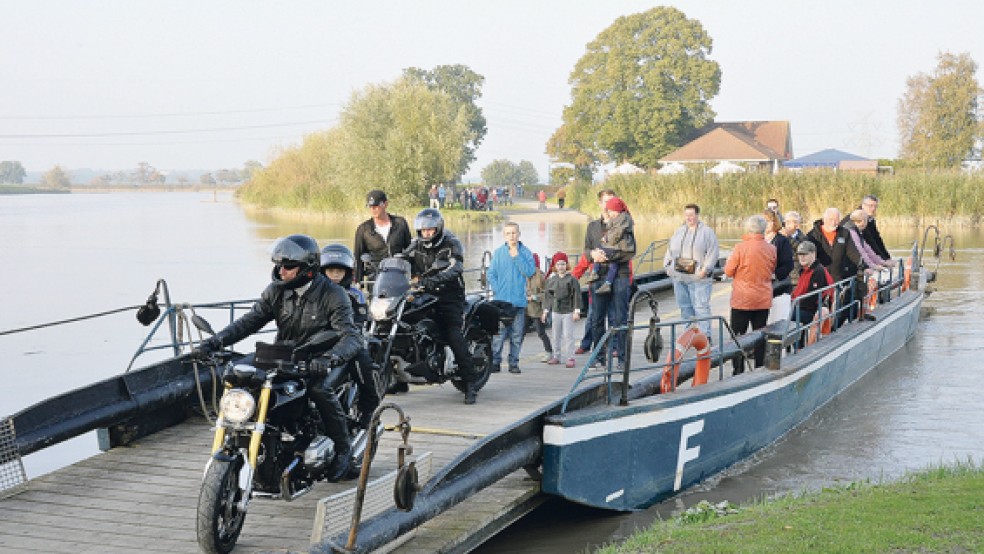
935 510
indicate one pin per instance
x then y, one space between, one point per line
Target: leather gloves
322 365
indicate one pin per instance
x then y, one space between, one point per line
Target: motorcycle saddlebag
488 315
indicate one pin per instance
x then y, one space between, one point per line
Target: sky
211 84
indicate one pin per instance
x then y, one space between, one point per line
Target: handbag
780 308
685 265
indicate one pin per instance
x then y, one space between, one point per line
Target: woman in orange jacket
751 265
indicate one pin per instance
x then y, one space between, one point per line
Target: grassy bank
22 189
906 198
936 510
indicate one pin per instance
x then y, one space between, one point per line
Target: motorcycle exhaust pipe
285 479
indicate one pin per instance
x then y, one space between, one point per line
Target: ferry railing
719 326
622 375
175 315
844 304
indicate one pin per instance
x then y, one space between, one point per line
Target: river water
65 256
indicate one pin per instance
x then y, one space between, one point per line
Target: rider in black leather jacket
434 244
304 302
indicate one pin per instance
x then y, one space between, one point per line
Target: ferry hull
629 457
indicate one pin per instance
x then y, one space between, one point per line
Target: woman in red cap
619 236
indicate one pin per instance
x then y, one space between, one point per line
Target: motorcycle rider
304 302
338 264
435 244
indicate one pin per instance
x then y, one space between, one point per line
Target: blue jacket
507 275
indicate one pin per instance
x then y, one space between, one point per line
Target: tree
643 86
250 168
12 172
500 173
526 173
464 86
206 179
401 138
938 118
56 178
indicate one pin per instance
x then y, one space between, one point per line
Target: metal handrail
628 369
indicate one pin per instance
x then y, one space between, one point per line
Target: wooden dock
143 498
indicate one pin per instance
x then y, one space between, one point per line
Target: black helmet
295 249
430 218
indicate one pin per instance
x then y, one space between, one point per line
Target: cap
615 204
806 247
559 257
375 198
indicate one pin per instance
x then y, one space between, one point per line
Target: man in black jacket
870 235
435 244
382 235
836 252
869 204
304 302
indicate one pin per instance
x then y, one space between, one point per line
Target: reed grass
909 197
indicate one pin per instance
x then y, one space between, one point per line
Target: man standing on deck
615 306
690 259
512 264
381 236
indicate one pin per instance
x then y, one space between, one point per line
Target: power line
159 132
165 114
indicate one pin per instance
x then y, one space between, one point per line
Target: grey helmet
430 218
338 255
299 250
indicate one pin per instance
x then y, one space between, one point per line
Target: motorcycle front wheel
219 518
481 350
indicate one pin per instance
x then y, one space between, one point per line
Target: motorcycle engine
318 453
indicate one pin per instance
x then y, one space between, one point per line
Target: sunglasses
290 266
803 253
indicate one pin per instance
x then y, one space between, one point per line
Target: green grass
937 510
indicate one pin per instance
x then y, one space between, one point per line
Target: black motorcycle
405 340
269 439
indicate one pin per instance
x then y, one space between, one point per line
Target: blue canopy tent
825 158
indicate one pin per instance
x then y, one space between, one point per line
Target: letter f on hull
687 454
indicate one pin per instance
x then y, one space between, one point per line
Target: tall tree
12 172
56 178
402 138
527 174
644 84
500 173
939 118
464 86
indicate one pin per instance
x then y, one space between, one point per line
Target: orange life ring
821 325
690 338
907 273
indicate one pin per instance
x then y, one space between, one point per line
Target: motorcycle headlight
237 406
379 307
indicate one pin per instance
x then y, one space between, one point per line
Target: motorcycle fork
261 416
220 431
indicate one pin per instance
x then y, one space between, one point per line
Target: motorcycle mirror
366 258
202 325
